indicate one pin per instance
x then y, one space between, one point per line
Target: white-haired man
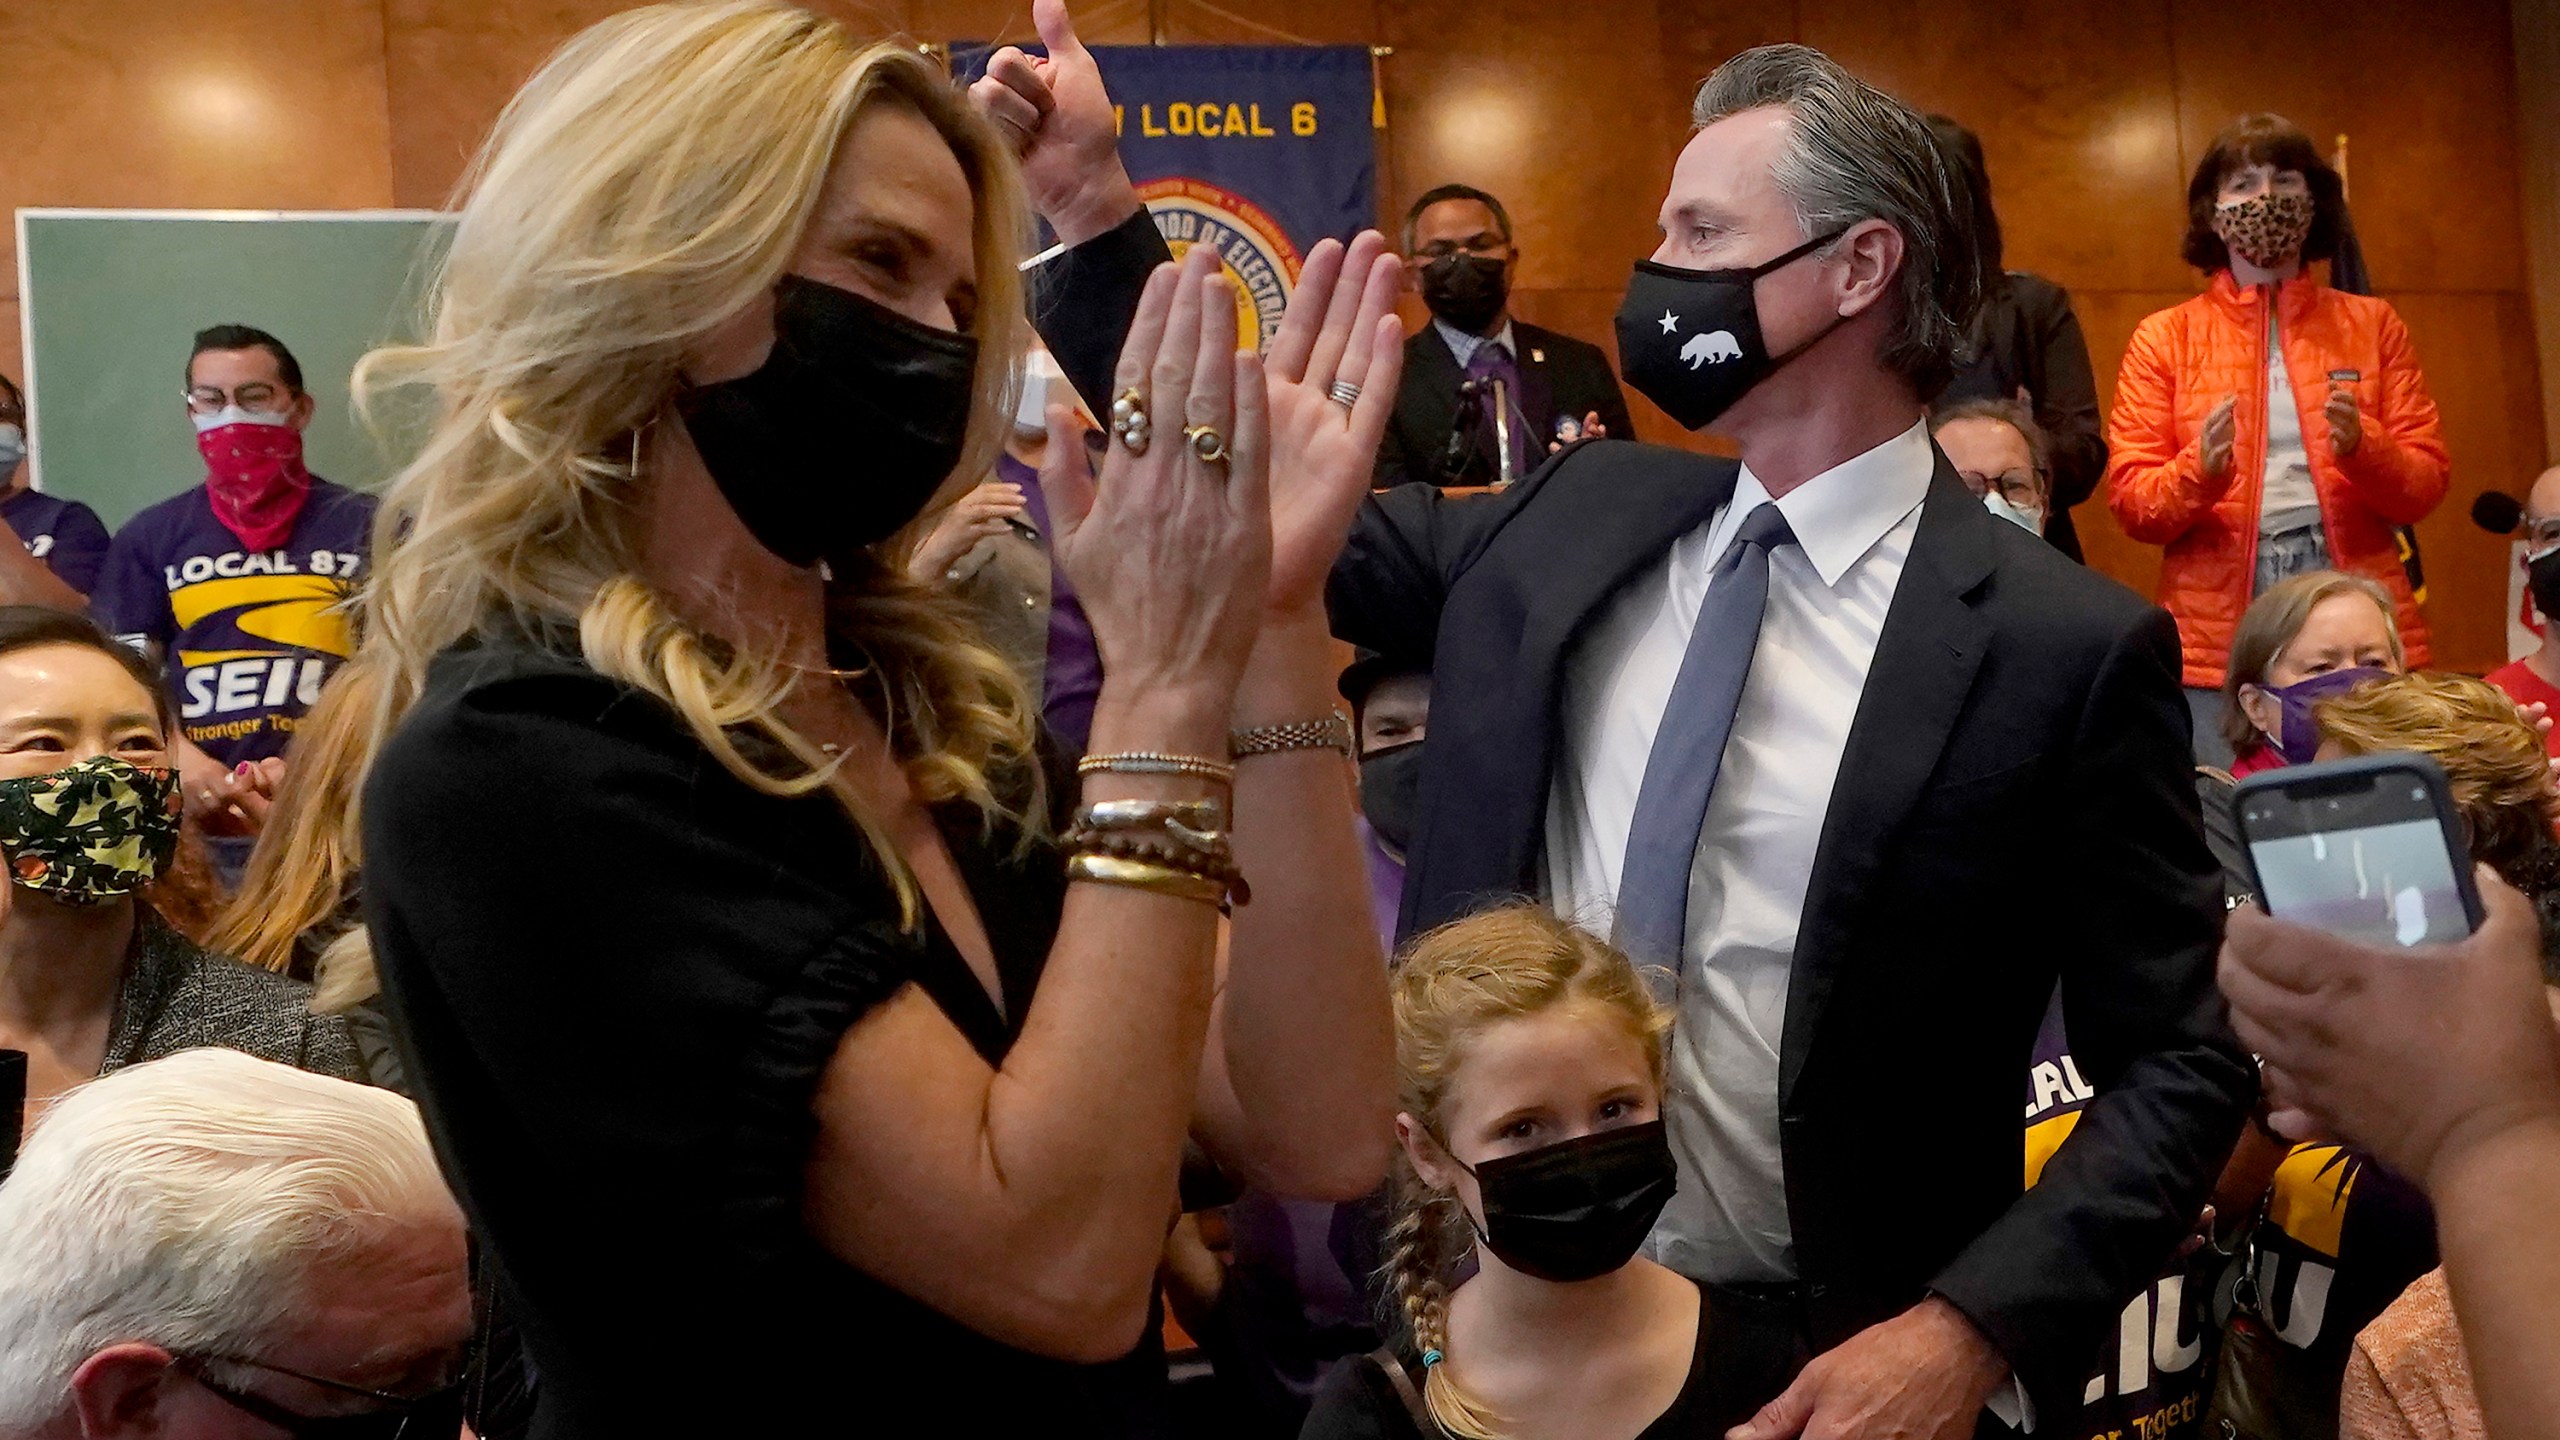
214 1247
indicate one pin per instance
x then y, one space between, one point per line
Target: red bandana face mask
254 474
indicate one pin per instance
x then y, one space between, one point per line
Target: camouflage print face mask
89 832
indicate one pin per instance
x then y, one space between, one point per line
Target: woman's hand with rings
1334 366
1170 551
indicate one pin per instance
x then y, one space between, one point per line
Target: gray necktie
1680 773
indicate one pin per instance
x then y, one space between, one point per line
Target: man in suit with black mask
1784 727
1478 383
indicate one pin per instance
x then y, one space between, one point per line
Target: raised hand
1341 329
1060 120
2413 1054
979 515
1171 553
2220 429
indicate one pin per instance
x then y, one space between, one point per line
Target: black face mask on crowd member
1689 340
845 432
1578 1208
1468 291
1390 791
2542 573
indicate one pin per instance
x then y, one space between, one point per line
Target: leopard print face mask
2266 229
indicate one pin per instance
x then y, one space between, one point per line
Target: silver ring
1130 423
1344 393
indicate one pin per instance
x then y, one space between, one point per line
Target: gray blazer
179 996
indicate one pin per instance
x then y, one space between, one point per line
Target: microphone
2497 512
1459 455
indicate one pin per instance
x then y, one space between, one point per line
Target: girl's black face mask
845 432
1579 1208
1689 340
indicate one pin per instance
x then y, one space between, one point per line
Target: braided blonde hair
1451 986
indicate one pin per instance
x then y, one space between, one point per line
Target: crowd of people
815 856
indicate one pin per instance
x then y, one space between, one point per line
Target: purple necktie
1493 360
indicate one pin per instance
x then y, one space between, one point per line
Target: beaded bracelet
1152 762
1216 865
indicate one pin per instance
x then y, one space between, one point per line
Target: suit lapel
1932 644
1508 631
1428 401
1537 388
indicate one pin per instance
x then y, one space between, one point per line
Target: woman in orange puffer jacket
2271 425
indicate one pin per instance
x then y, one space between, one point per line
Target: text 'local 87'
1215 120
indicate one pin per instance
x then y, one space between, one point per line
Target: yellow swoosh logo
296 610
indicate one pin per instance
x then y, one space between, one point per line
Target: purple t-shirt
250 636
1073 678
65 534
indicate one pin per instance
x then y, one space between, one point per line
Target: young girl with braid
1529 1064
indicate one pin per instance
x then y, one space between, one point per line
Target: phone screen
2369 863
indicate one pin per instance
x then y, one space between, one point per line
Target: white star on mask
1670 322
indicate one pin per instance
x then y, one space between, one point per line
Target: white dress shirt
1828 594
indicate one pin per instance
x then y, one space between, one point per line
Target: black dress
617 972
1357 1401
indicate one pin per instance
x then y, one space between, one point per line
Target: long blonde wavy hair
650 181
297 879
1454 984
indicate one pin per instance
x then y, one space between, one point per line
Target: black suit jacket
2019 707
1560 378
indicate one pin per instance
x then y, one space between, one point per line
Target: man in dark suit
1801 730
1449 428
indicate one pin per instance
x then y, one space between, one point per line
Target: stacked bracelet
1139 875
1151 762
1333 732
1175 848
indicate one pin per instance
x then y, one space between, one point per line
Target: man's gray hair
1855 153
183 1203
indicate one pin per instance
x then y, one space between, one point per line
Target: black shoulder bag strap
1386 1359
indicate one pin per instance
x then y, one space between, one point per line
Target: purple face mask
2298 735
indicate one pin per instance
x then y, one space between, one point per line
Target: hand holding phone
2371 849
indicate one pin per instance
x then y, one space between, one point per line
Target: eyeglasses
256 395
2018 487
436 1415
2541 535
1488 245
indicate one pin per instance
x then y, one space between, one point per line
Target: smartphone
2369 848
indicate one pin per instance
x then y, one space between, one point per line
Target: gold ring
1207 445
1130 423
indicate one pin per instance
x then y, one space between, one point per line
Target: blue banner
1259 151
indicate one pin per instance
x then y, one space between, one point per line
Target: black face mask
1390 789
1579 1208
1468 291
1689 340
2542 573
845 432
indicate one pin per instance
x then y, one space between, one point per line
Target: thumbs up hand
1060 120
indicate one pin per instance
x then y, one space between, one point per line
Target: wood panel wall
1571 110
